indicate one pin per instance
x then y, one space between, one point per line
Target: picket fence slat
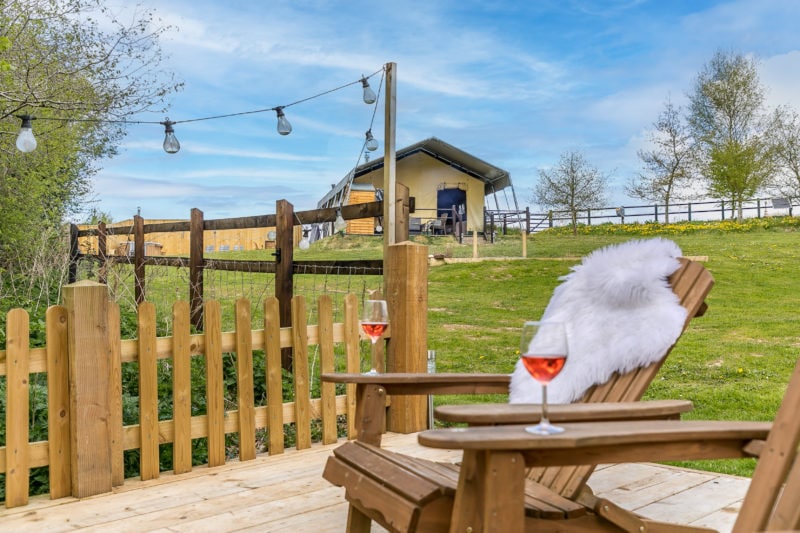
302 390
272 343
181 389
353 351
327 364
244 378
115 397
148 392
215 406
17 409
58 402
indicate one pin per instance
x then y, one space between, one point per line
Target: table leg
491 493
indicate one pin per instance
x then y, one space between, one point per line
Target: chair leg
357 522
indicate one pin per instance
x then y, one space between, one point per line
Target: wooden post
402 211
102 252
73 254
406 291
475 244
89 352
389 158
525 232
138 259
196 268
284 259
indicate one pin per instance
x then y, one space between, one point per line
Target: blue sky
515 83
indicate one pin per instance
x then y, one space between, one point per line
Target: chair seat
405 493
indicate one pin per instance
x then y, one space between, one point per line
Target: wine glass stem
545 421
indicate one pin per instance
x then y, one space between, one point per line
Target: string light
284 128
369 94
171 144
371 143
26 142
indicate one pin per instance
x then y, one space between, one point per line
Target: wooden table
490 494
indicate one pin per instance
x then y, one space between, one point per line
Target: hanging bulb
171 144
26 142
284 128
369 94
372 144
340 225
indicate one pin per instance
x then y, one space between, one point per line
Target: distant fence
678 212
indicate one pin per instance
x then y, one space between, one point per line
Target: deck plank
287 493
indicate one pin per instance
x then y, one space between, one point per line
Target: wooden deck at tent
287 493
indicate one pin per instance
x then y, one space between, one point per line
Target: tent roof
494 178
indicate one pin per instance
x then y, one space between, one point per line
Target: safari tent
441 178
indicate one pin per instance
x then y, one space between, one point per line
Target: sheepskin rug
620 314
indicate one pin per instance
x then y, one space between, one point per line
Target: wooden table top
607 442
505 413
423 383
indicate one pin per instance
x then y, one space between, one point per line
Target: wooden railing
83 361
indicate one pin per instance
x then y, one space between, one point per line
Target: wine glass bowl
543 351
374 321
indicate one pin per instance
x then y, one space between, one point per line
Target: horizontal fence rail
678 212
85 389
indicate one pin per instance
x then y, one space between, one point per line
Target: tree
727 119
59 64
668 165
573 185
787 151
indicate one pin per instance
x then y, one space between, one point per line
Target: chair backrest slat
767 504
691 283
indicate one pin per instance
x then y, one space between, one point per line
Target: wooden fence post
284 266
196 268
102 252
89 352
406 291
138 259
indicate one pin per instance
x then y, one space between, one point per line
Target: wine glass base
544 429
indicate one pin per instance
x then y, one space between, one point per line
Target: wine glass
543 349
374 319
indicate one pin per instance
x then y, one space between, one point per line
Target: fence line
92 461
686 211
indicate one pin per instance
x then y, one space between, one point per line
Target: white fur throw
620 314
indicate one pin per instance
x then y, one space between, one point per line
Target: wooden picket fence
83 360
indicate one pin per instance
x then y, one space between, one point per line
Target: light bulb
369 94
171 144
339 226
26 142
371 144
284 128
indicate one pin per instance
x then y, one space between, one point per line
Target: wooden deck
287 493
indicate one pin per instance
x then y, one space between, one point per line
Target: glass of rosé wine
543 350
374 320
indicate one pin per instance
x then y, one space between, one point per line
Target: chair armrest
504 413
401 383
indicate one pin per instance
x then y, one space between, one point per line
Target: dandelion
740 370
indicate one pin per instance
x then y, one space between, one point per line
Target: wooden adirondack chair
772 502
407 494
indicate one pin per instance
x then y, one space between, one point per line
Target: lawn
733 363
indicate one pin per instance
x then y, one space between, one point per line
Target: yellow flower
740 370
